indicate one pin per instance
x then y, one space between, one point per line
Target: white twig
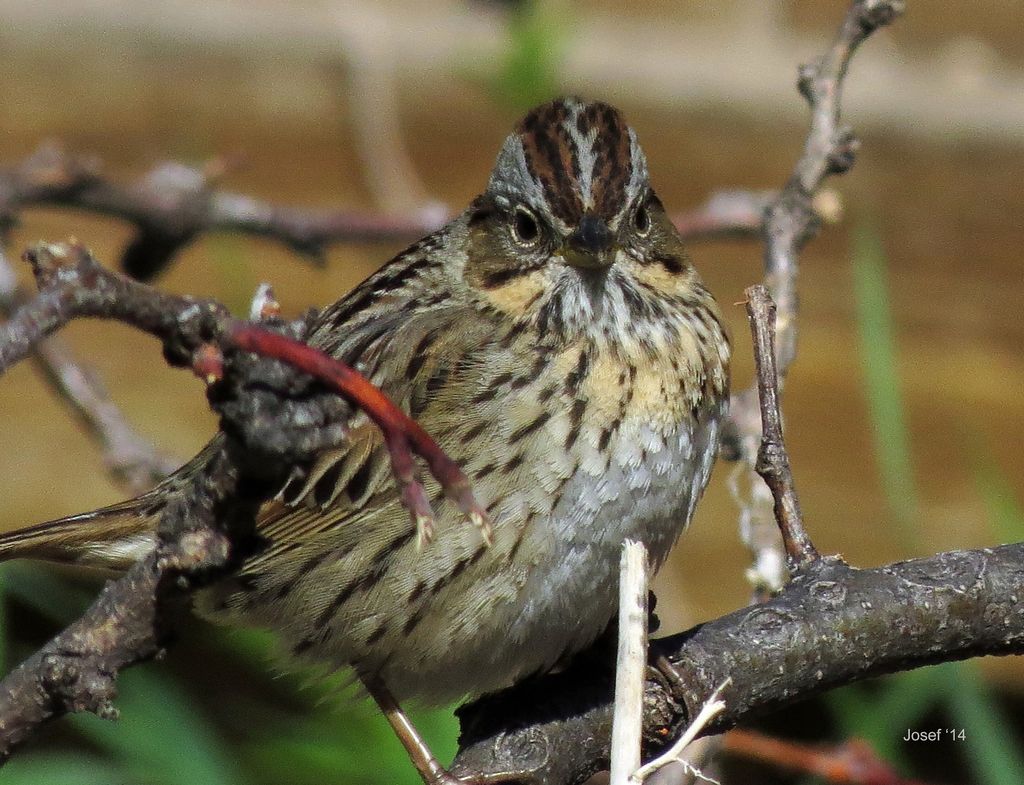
711 708
627 721
264 304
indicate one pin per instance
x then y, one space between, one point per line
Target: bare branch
725 215
132 461
772 459
171 205
830 148
790 221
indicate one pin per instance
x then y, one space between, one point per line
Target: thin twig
172 204
131 460
790 221
631 663
374 108
725 215
772 460
829 148
710 709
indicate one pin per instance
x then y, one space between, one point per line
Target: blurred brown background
392 105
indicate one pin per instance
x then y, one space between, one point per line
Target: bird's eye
642 221
525 230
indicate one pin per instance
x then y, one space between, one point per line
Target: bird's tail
112 537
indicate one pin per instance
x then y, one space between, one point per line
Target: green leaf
991 748
882 383
163 737
60 770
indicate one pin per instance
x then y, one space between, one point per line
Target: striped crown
568 158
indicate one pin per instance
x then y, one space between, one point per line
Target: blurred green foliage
528 73
882 712
176 729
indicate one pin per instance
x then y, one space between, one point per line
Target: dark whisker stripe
496 278
671 262
549 316
637 305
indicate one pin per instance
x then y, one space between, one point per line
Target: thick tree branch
832 625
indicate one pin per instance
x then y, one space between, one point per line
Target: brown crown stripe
554 162
613 163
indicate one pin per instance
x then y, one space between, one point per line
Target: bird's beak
590 246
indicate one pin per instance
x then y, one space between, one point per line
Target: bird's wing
403 331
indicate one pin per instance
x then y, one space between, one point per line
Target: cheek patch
519 290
